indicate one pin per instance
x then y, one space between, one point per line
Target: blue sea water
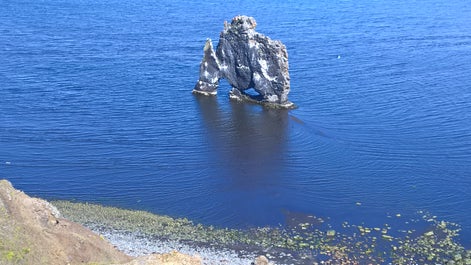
96 105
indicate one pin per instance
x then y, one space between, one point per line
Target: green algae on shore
164 227
307 239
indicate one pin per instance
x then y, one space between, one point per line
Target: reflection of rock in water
249 142
247 59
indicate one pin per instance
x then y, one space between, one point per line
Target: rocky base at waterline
247 59
32 232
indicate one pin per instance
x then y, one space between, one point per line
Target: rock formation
247 59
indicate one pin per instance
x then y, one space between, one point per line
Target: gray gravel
134 244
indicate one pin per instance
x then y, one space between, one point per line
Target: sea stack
247 59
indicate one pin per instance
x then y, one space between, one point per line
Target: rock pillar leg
209 72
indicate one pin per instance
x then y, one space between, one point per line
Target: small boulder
261 260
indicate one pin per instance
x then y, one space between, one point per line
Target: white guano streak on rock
264 68
243 67
256 76
223 68
212 79
273 98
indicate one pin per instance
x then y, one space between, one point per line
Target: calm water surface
96 105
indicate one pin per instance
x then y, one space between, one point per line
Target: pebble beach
134 244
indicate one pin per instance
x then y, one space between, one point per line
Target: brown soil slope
32 232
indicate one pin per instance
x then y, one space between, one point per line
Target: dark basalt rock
247 59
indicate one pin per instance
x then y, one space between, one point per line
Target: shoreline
139 233
35 231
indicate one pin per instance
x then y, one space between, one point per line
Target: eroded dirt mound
32 232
